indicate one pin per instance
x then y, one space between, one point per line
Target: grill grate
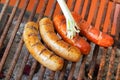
103 14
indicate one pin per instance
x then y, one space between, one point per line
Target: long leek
71 24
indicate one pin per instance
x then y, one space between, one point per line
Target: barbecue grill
100 64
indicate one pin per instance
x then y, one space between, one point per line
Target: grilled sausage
60 26
56 44
98 37
91 33
38 50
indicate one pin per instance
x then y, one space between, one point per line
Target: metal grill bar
52 74
10 43
85 6
14 61
4 34
12 38
2 27
72 71
93 62
85 9
81 6
102 64
53 8
101 11
3 9
62 73
42 68
81 74
20 72
41 73
43 10
73 5
32 70
118 71
27 53
111 64
35 62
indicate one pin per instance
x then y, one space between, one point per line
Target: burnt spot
50 32
52 55
32 27
69 47
48 24
42 51
32 34
58 40
37 43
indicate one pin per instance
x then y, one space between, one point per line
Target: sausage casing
60 26
38 50
57 45
98 37
91 33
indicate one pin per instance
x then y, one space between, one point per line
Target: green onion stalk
72 27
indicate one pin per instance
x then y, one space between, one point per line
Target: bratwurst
38 50
56 44
60 26
91 33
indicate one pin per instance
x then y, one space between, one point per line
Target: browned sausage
91 33
98 37
60 26
60 47
38 50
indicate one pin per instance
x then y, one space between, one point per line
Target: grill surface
103 14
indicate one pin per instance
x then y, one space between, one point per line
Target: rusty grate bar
113 53
93 62
42 68
61 75
2 26
85 9
27 54
72 71
52 74
81 74
4 9
41 72
43 10
81 6
118 71
102 64
20 72
111 64
73 5
14 61
33 67
12 38
32 70
4 34
53 8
